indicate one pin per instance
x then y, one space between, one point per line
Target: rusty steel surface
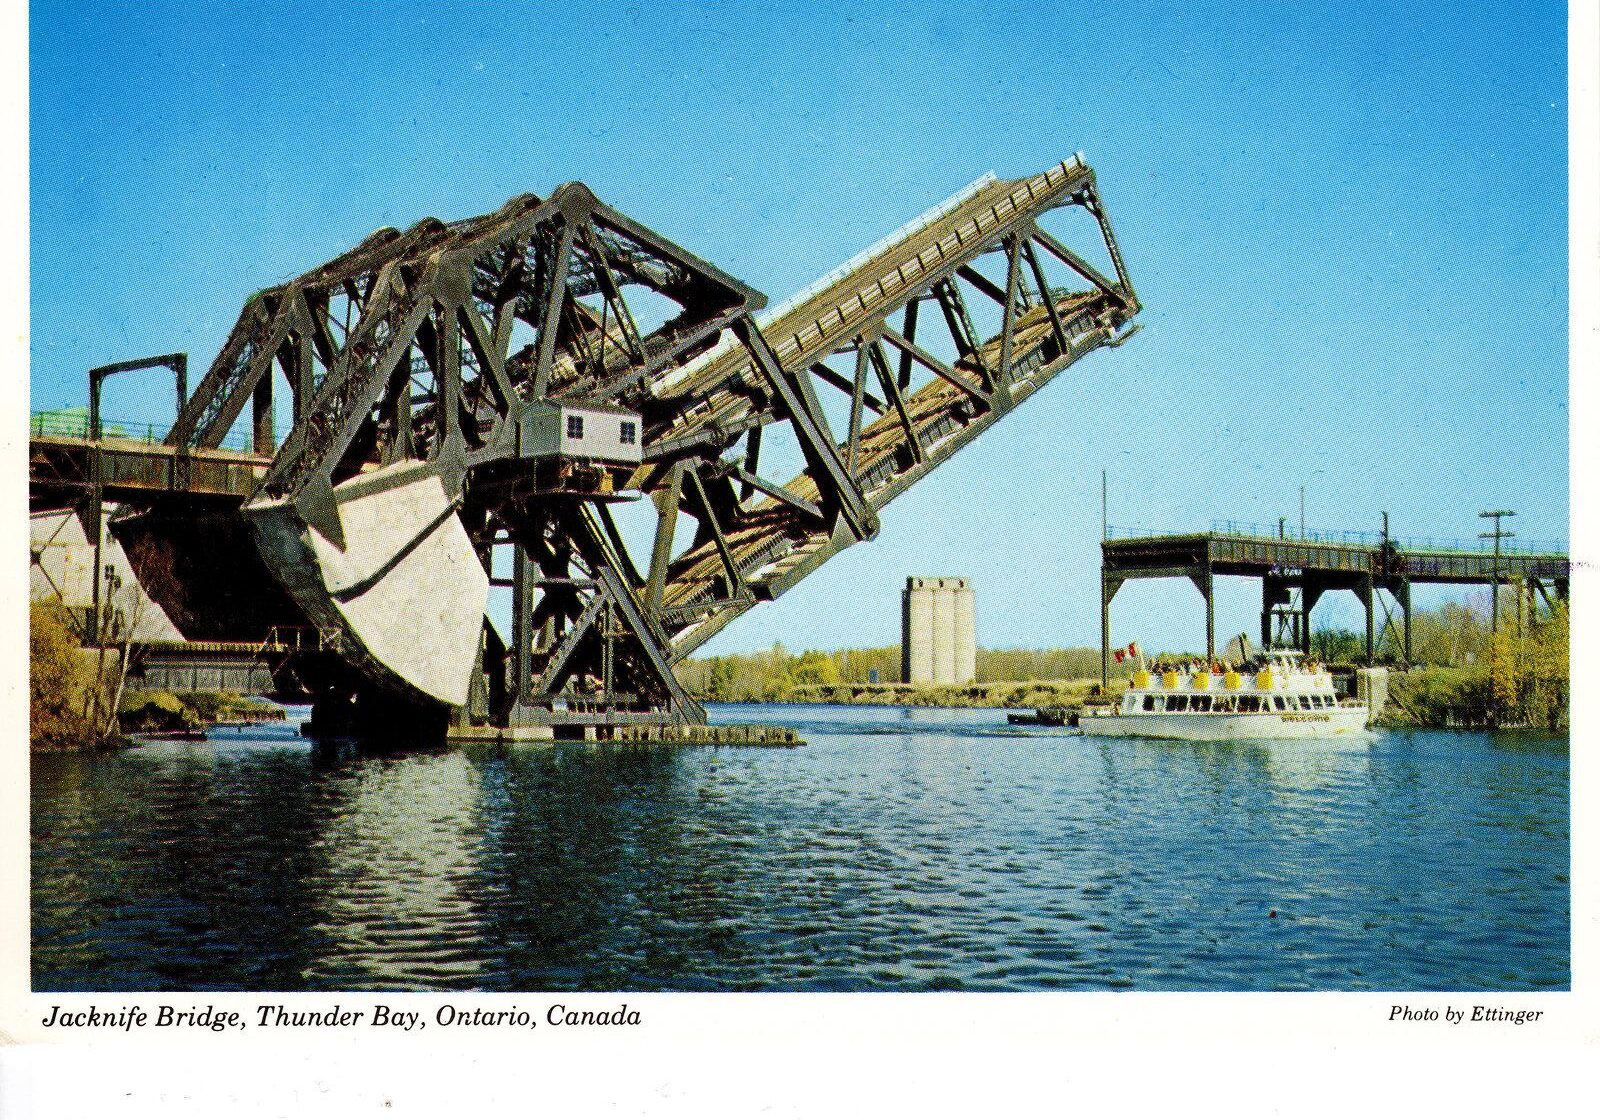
59 469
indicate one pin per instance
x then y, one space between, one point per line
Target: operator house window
574 427
630 434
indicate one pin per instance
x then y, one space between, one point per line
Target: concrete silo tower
938 632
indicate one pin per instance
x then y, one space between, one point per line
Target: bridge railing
73 423
1353 538
300 639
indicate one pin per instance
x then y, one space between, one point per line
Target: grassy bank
1446 697
1005 678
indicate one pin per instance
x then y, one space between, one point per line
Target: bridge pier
1404 597
1366 591
1109 585
1204 579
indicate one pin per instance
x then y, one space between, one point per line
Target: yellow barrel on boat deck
1202 680
1230 680
1169 680
1141 679
1264 679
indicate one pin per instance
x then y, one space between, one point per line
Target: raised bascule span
471 400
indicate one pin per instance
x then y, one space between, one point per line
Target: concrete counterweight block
394 571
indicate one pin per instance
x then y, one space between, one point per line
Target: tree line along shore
1463 674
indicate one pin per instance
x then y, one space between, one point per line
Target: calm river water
899 849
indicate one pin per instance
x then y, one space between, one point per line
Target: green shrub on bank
156 711
189 711
57 691
1521 681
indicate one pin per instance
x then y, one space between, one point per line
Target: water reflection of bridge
1296 569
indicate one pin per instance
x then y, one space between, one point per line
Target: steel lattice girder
871 318
422 351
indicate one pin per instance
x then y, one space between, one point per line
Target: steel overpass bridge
1297 569
471 399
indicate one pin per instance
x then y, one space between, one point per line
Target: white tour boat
1279 697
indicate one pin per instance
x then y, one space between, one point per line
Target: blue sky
1347 223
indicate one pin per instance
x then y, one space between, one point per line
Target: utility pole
1497 536
1103 525
1302 511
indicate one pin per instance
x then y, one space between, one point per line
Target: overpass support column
1405 606
1269 599
1311 590
1202 577
525 635
1109 586
1279 590
1366 591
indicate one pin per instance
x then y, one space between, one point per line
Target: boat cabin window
1277 702
1177 703
1149 703
1202 703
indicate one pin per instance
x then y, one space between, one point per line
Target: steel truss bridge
419 365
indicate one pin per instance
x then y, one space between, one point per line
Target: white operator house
580 431
580 447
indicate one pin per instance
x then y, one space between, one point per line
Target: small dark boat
1045 717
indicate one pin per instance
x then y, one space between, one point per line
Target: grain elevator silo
938 632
